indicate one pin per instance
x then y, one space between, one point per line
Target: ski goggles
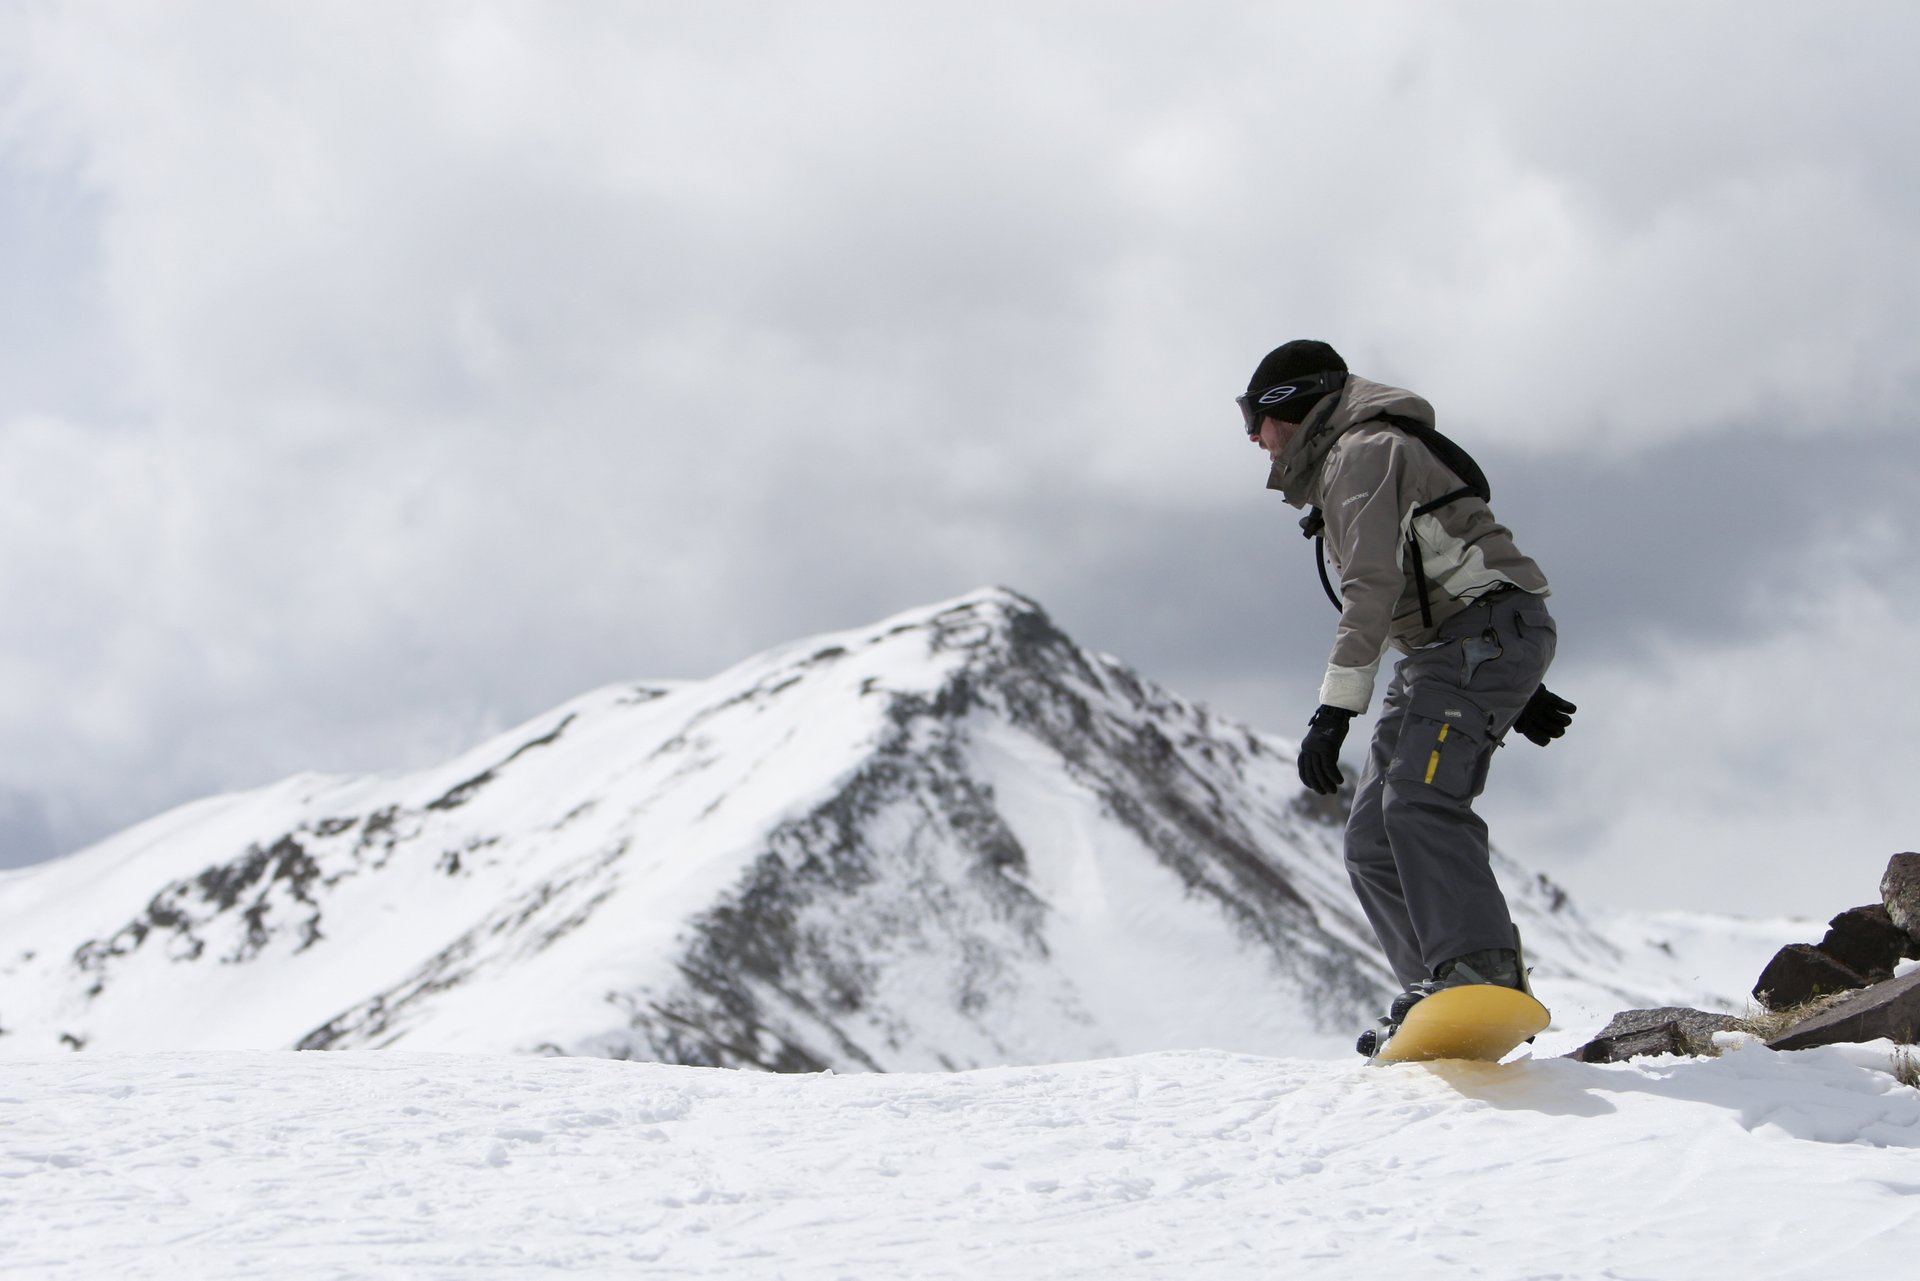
1256 405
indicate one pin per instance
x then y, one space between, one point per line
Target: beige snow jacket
1367 477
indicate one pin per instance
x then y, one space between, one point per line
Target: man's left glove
1320 749
1545 717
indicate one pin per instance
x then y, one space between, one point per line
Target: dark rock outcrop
1866 940
1799 972
1890 1010
1671 1030
1854 967
1900 891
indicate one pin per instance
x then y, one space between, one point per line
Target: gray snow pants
1416 851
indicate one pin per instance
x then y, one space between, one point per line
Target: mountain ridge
952 839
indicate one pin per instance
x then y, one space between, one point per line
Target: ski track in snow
1196 1164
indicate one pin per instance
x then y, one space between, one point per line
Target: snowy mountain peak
954 838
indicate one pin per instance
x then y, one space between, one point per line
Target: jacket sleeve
1365 505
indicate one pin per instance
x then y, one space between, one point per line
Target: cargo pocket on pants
1441 743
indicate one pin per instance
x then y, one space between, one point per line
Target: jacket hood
1296 472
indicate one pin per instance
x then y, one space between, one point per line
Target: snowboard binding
1479 1006
1374 1038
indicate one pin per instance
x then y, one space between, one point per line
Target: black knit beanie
1297 359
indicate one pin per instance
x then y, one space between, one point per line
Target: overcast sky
375 376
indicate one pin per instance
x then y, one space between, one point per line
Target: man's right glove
1320 749
1545 717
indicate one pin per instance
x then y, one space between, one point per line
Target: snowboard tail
1474 1021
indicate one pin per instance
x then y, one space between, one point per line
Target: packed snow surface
1192 1164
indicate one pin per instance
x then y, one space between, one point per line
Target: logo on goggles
1274 395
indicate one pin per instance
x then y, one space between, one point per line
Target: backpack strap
1473 481
1314 525
1413 548
1326 582
1454 459
1473 484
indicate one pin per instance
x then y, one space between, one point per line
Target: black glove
1320 749
1545 717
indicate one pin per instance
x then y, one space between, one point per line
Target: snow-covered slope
953 839
1199 1164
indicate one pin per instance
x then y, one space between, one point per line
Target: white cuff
1349 687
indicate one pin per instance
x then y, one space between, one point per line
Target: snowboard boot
1499 966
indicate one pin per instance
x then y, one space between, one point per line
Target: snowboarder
1425 568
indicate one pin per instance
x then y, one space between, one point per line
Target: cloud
402 372
1767 774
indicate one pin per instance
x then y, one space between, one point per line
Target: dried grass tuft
1770 1024
1906 1067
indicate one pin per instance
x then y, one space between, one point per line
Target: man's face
1274 435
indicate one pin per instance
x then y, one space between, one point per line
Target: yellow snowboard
1477 1021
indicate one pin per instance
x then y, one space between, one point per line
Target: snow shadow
1520 1087
1835 1094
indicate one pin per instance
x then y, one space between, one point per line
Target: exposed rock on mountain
1801 972
1900 892
1636 1033
1889 1010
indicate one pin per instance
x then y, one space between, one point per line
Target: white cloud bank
432 363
